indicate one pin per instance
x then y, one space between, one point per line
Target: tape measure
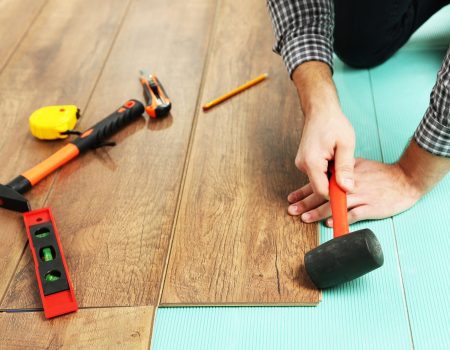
54 122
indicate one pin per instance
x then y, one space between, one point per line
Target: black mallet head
13 200
344 258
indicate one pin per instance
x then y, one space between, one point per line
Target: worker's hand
327 133
326 136
380 191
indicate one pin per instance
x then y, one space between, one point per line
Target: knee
360 51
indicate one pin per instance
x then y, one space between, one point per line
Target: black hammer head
13 200
344 258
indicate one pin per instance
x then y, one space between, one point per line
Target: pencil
235 91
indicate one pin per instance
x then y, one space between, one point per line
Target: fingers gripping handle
338 201
100 132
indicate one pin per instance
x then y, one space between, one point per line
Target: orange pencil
235 91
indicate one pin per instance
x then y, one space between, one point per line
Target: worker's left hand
380 191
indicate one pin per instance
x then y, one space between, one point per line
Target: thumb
344 163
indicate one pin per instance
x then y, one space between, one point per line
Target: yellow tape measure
54 122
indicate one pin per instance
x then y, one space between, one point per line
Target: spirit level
50 264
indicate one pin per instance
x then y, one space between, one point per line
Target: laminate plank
367 313
234 243
101 328
12 29
115 207
58 62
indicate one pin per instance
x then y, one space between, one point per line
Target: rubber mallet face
348 255
344 258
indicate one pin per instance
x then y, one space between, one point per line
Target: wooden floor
186 210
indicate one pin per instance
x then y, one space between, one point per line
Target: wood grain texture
234 242
15 18
115 207
102 328
57 62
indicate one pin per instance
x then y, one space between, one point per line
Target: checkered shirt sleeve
303 31
433 132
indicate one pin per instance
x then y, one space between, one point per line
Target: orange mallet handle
338 202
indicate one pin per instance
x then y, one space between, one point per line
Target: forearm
423 169
327 134
427 158
315 88
433 133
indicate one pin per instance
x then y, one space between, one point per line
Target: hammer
11 194
348 255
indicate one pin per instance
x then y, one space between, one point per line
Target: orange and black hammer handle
92 138
338 202
158 103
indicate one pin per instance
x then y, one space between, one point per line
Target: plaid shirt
304 32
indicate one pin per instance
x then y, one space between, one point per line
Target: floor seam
14 50
405 302
403 284
189 147
14 273
25 33
12 310
376 114
56 173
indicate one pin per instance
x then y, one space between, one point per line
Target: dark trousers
368 32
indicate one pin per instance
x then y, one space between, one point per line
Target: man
366 33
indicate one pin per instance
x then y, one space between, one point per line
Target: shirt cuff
307 47
432 136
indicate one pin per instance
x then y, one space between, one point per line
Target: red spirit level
52 274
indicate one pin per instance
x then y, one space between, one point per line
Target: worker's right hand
327 135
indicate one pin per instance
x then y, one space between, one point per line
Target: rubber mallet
348 255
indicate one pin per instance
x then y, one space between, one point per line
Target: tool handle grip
32 176
338 202
95 136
